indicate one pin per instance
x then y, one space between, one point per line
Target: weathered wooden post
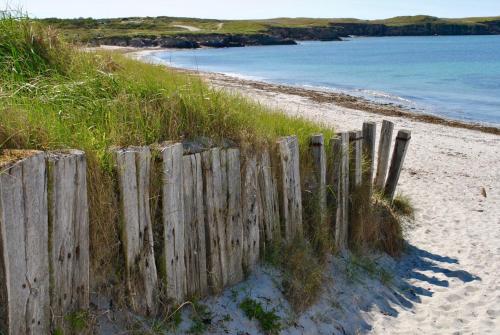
319 165
356 140
251 215
173 260
291 198
69 235
133 170
230 159
335 178
215 220
384 149
269 200
24 251
398 156
194 229
342 220
369 133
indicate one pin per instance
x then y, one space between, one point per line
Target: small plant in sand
268 320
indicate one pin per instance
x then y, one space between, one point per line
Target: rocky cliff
289 35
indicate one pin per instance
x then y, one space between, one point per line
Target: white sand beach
449 281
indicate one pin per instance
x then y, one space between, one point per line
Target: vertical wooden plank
319 166
335 179
398 156
24 244
269 196
342 223
384 149
174 271
251 218
222 219
369 133
133 169
356 140
69 235
211 189
291 198
234 224
195 249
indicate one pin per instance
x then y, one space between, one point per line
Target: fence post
319 161
173 257
342 221
398 156
369 133
356 138
269 197
214 220
334 192
24 258
251 215
194 227
384 149
291 200
69 235
234 224
133 170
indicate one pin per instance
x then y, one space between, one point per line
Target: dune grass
53 96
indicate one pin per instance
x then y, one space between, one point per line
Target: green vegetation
53 96
268 320
302 270
86 29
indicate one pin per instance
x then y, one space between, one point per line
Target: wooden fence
220 211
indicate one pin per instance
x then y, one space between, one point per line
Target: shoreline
318 95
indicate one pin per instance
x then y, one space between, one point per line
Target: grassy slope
53 96
85 29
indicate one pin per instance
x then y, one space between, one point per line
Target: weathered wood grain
251 215
234 218
215 219
269 200
398 157
335 179
342 220
384 149
173 258
24 281
290 188
69 235
194 230
356 140
319 168
133 169
369 134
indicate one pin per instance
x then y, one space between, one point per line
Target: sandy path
452 272
189 28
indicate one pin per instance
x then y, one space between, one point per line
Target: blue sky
249 9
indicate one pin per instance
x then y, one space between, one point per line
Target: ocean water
456 77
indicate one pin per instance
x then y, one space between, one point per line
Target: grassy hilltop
87 29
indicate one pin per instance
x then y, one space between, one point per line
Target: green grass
268 320
53 96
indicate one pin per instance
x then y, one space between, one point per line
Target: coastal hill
173 32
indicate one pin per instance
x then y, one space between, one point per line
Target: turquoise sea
456 77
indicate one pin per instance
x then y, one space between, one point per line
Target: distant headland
173 32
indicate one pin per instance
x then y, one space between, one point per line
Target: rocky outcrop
193 41
421 29
307 33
